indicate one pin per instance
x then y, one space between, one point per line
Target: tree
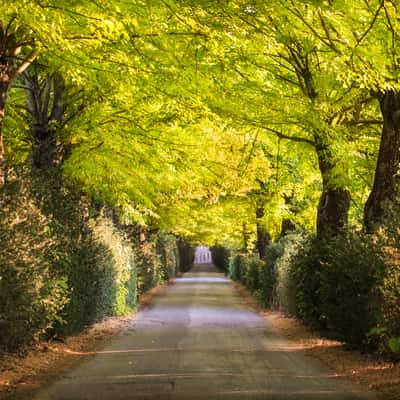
384 193
16 54
46 106
364 36
189 106
287 74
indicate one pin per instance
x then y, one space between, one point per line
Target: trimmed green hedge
157 260
220 258
341 287
255 274
186 254
348 287
64 264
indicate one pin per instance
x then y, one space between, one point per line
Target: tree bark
7 62
384 190
263 237
10 68
334 203
287 226
3 99
333 207
46 107
246 237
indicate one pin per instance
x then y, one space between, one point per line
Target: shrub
268 274
156 259
254 274
236 267
166 247
390 291
186 255
280 259
120 260
337 286
90 272
65 264
220 257
32 290
59 269
148 265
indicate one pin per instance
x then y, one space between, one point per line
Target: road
199 341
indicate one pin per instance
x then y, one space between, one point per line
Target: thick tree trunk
384 190
263 237
2 171
334 204
287 226
43 147
4 86
11 67
46 107
333 210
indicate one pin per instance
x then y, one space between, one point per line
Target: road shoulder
368 370
38 366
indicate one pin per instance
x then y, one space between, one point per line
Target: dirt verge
46 361
369 370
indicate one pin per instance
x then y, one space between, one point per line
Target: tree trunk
3 98
384 190
333 209
334 204
43 147
246 237
11 67
263 237
287 226
4 87
46 107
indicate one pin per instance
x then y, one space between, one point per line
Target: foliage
156 260
338 281
220 257
186 254
184 118
168 250
123 265
283 253
35 289
255 274
235 267
390 291
394 344
56 260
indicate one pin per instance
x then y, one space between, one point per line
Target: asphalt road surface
199 341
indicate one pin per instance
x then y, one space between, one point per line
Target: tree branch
25 64
281 135
371 25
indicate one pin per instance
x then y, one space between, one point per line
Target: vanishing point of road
197 340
